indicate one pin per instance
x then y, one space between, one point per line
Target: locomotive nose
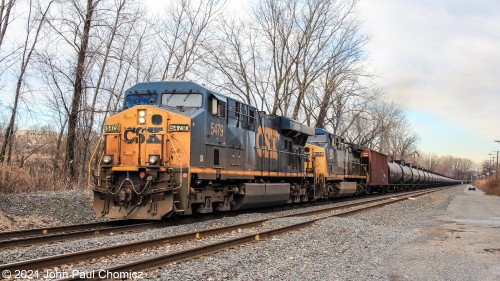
139 171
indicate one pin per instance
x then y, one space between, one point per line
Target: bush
18 180
490 186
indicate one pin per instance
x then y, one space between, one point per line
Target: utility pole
496 171
491 162
496 167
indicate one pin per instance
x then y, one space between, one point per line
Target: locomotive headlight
153 159
107 159
142 116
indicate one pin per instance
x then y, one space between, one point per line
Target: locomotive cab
145 164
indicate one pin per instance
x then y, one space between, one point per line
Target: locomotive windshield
182 99
134 99
317 139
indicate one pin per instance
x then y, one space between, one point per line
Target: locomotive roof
288 124
165 86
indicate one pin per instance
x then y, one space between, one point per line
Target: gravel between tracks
36 251
45 209
352 248
362 247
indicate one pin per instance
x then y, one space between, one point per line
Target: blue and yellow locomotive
180 148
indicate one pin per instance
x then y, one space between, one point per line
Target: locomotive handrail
183 149
179 158
92 158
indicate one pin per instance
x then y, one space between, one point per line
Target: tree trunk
55 166
69 162
5 11
9 131
100 78
27 52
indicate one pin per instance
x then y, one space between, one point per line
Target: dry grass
17 180
490 186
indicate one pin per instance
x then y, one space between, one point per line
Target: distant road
462 244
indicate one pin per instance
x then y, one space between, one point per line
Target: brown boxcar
377 168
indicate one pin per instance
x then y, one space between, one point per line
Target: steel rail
28 237
57 260
18 234
179 256
32 240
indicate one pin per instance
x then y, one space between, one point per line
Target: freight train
178 148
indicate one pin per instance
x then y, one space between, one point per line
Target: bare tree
462 168
402 140
108 41
236 55
448 165
130 44
78 90
274 21
30 42
429 161
277 59
182 33
5 13
57 102
115 38
329 42
373 126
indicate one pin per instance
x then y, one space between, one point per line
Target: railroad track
19 234
28 237
60 233
58 260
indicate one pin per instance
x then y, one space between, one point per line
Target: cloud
439 57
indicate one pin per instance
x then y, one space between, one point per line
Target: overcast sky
441 61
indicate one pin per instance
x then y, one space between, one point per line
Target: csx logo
137 135
266 139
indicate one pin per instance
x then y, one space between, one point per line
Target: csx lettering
266 139
216 129
137 135
153 137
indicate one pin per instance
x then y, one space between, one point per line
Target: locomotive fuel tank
263 194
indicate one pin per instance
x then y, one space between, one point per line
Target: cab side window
217 107
252 118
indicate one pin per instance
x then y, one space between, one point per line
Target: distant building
34 137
